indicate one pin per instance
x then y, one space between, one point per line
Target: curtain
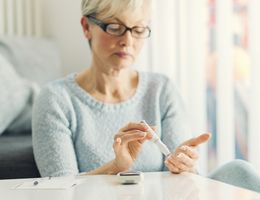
195 43
177 48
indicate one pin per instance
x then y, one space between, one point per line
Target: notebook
55 183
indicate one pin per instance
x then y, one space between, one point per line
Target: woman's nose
126 39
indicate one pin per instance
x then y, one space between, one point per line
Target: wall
61 21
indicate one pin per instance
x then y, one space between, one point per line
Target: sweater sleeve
52 138
174 121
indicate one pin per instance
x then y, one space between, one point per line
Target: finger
171 167
141 141
154 128
134 126
117 143
177 162
172 161
198 140
124 131
148 136
186 160
182 167
133 136
190 151
133 133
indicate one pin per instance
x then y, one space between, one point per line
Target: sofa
16 156
26 65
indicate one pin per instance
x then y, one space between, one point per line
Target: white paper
60 183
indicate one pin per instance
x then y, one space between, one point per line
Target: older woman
90 121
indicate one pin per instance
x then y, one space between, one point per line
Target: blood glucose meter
130 177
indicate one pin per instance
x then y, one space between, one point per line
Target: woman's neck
112 87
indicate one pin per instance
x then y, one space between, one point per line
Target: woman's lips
123 54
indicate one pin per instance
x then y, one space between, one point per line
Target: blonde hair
110 8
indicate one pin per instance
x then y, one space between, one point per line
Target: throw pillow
14 93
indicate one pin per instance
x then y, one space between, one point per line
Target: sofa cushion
16 157
35 59
15 93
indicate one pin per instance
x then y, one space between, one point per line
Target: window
241 79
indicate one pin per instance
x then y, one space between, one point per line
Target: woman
90 121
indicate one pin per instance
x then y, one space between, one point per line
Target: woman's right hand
127 144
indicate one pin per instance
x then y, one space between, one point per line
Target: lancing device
156 140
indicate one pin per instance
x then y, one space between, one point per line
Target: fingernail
169 157
184 148
150 135
142 134
181 155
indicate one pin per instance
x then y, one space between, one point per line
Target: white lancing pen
156 140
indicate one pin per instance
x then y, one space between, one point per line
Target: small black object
35 183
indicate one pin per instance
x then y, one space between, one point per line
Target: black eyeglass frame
104 26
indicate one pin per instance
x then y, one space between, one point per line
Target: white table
156 186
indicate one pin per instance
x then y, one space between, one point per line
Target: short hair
110 8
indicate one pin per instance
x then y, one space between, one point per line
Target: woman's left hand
185 156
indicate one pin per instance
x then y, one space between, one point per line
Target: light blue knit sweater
73 132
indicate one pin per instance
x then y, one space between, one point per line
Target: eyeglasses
115 29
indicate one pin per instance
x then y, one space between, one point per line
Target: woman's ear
86 27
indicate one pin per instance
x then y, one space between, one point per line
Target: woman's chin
122 65
122 62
